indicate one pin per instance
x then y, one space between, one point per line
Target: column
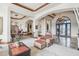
43 26
6 23
76 12
34 30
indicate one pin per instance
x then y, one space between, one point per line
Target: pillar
6 22
34 30
76 12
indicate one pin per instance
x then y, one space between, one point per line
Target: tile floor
54 50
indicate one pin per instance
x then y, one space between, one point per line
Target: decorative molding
30 9
18 18
51 16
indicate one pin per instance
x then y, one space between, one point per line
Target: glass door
63 31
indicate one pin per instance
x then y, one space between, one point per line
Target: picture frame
1 25
36 26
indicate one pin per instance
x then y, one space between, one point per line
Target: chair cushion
40 41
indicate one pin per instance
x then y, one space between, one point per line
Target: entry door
63 32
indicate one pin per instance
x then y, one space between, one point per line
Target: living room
34 25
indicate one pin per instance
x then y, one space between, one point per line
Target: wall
43 23
70 14
22 23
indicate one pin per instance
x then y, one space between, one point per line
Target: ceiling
31 9
22 10
36 11
33 6
15 15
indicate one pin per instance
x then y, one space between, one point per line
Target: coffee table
22 50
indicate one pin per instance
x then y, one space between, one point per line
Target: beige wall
71 15
22 23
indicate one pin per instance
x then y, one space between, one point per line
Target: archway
29 27
44 25
63 30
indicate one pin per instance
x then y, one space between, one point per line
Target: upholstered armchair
40 42
43 41
49 39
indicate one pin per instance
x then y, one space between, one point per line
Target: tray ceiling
32 6
31 9
17 16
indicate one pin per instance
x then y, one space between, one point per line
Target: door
63 31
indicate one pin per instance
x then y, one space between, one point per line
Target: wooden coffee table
22 50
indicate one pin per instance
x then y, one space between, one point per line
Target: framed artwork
1 25
36 26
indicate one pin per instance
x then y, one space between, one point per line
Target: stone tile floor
54 50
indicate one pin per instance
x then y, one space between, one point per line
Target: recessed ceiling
32 9
17 16
32 5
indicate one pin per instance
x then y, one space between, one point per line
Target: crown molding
30 9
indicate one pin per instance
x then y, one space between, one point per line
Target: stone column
76 12
34 30
78 38
6 22
43 26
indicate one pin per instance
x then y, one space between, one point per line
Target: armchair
49 39
40 42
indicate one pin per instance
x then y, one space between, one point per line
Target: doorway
63 30
29 27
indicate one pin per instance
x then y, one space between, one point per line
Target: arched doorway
29 27
44 25
63 30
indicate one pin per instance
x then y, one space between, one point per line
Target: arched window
63 30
